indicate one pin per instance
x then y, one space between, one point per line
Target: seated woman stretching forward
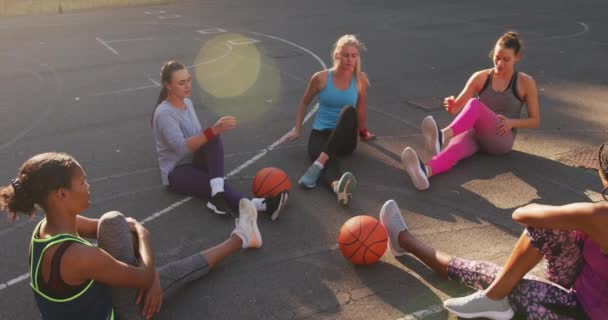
191 160
573 241
488 123
342 92
73 279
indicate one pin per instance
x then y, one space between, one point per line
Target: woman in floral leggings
573 241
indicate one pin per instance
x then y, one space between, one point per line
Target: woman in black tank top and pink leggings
487 123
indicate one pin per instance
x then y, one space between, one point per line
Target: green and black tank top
92 300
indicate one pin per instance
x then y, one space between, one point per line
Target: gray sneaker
478 305
309 179
391 219
432 135
414 168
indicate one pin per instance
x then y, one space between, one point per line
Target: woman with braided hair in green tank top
73 279
487 123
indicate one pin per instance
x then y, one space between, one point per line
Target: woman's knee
111 221
473 103
348 111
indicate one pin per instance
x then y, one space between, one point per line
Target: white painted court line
43 115
213 59
573 35
239 42
156 83
128 40
105 44
231 173
169 16
211 31
424 313
105 93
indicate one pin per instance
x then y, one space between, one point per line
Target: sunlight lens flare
236 77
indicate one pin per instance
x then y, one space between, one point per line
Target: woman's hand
504 125
449 103
365 135
152 298
224 124
293 134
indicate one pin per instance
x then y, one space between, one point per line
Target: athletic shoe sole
282 203
430 131
411 164
213 208
346 186
494 315
256 241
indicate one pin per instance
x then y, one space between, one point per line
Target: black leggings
340 141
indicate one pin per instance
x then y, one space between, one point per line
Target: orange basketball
269 182
362 240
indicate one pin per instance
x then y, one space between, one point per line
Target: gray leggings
114 236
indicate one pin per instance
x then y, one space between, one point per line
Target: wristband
209 134
363 132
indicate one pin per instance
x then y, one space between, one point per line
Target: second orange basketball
270 182
362 240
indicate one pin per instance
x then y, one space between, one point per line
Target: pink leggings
474 129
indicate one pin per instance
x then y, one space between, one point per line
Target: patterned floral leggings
534 298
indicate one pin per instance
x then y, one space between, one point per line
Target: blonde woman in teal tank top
341 118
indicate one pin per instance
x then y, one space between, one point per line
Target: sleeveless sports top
507 103
591 285
92 302
331 102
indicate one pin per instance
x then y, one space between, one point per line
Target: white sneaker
414 168
431 133
478 305
391 219
247 225
345 187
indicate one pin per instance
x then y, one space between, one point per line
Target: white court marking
573 35
424 313
239 42
213 59
156 83
105 44
247 163
169 16
211 31
43 115
129 40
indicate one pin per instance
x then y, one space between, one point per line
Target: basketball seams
263 180
362 243
269 192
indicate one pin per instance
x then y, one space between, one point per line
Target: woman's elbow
519 216
536 123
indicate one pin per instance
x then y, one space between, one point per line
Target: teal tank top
93 302
331 102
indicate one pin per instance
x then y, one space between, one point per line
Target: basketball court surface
86 84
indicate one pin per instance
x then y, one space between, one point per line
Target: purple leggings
193 178
534 298
474 128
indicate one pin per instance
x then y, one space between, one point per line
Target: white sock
217 185
259 204
319 164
